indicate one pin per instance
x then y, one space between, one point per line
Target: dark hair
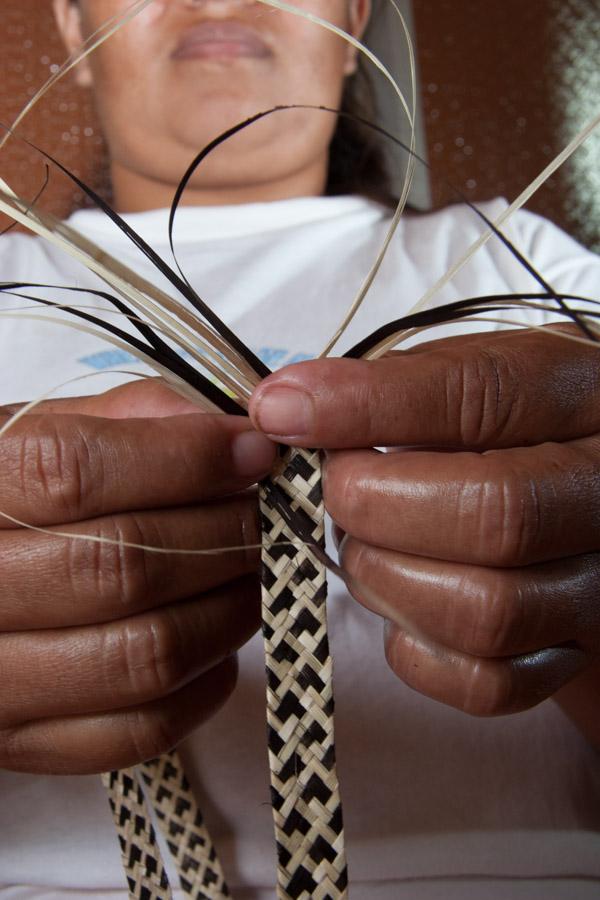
357 161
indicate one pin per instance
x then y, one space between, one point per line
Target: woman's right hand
111 655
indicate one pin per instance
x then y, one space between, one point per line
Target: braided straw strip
142 861
182 824
304 788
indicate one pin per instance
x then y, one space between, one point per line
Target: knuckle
498 618
133 575
150 734
508 517
486 391
56 468
123 579
147 656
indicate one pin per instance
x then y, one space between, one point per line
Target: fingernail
284 412
252 454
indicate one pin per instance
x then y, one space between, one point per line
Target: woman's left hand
479 540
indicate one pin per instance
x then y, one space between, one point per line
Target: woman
488 550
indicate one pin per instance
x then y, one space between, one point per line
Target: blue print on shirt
107 359
273 357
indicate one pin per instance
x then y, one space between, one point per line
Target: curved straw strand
189 394
366 286
161 355
123 280
351 583
33 201
169 376
349 39
106 30
514 324
520 201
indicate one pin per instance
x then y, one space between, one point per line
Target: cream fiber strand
117 22
173 380
520 201
79 248
108 268
513 325
142 302
350 581
125 290
90 255
65 307
175 383
354 42
106 30
278 4
366 286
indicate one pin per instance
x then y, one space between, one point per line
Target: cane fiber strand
306 802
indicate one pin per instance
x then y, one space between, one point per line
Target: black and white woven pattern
144 868
180 820
304 787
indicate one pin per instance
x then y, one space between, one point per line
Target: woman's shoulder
451 232
459 221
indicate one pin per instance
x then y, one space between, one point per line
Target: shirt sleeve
566 265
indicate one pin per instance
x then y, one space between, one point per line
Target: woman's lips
220 40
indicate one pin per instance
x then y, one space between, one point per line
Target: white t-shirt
436 804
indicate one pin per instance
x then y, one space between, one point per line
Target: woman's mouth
220 40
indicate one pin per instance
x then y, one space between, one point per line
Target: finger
455 341
480 611
51 582
87 744
76 670
56 469
502 508
496 392
148 398
481 687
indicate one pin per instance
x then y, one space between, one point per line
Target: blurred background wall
502 87
63 123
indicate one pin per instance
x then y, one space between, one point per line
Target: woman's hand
479 541
110 655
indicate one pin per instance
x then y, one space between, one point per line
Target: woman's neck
134 192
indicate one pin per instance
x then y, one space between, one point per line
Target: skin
127 652
480 551
285 155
